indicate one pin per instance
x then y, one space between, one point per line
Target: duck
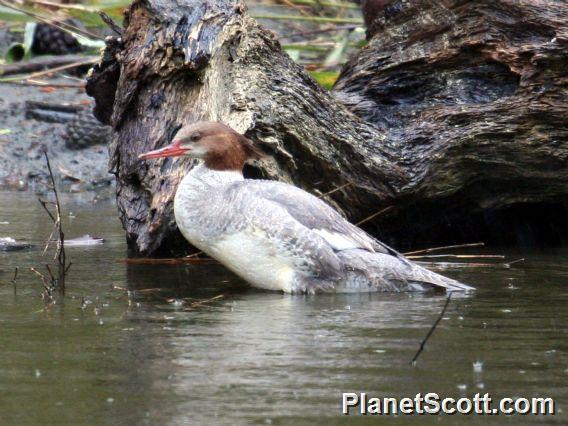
275 235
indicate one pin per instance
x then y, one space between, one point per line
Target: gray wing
312 253
318 216
314 233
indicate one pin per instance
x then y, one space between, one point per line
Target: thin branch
110 22
166 261
339 188
319 3
60 253
46 84
15 275
61 68
430 250
61 25
374 215
320 19
413 362
49 239
41 63
203 302
457 256
327 30
43 278
44 205
194 255
508 264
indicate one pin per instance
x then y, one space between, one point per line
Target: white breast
251 255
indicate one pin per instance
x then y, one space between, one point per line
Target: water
107 355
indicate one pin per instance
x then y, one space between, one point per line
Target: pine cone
51 40
85 130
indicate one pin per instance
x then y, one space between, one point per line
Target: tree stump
455 110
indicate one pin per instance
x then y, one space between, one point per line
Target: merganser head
217 144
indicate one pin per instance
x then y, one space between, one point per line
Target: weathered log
475 96
453 107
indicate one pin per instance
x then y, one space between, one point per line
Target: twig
319 19
194 255
374 215
44 205
167 261
60 252
457 256
514 261
430 250
326 3
296 7
81 7
446 265
57 107
61 68
61 25
55 282
339 188
327 30
110 22
143 290
41 63
413 362
15 275
43 278
203 302
46 84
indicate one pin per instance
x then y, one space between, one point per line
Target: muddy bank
22 142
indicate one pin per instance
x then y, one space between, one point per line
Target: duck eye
195 137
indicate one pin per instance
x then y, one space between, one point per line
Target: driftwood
454 109
50 63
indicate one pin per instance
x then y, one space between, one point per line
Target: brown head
217 144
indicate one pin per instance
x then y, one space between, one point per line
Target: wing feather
311 251
318 216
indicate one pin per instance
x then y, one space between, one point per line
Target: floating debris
84 241
10 244
477 366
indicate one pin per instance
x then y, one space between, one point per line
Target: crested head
218 145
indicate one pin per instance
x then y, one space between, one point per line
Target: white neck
202 176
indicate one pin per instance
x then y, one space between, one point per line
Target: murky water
107 355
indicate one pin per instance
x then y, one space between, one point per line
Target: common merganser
274 235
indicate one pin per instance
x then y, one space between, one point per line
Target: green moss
326 79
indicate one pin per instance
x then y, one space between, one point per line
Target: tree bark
453 108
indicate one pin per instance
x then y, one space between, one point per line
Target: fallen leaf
68 174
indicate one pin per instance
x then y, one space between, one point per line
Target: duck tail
422 275
386 272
